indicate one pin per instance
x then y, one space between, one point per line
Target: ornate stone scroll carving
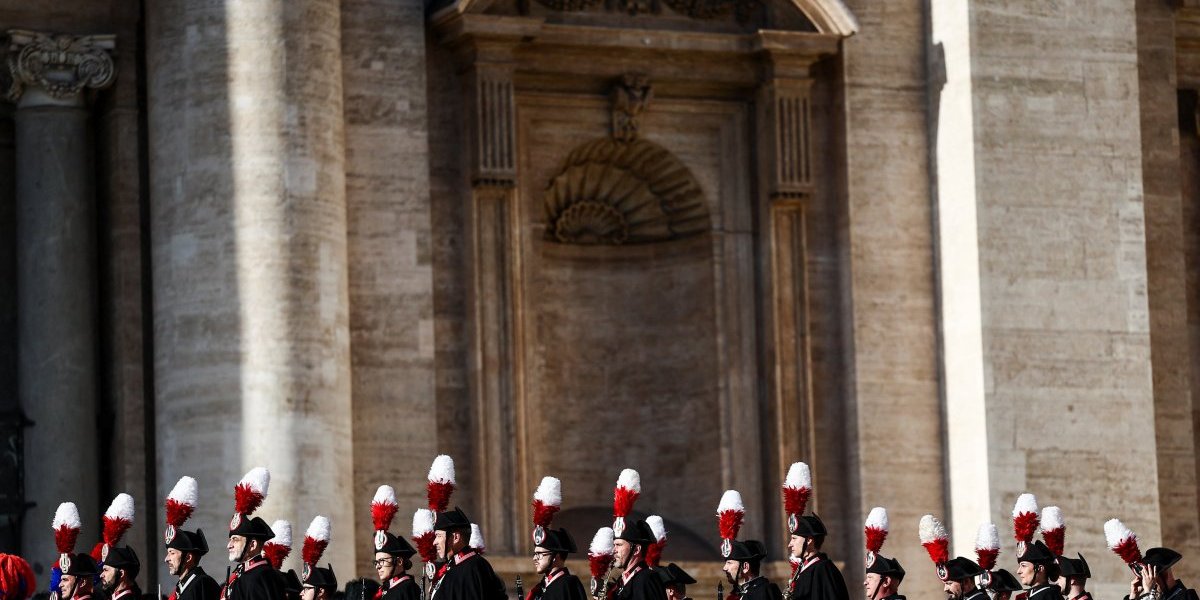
629 99
614 192
61 65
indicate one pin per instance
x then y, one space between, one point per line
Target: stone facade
945 252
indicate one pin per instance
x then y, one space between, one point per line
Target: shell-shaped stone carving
614 192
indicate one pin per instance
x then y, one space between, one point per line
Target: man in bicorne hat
637 581
1072 578
320 583
743 564
1036 568
78 571
550 550
883 577
118 577
675 580
958 579
252 578
1157 579
184 550
816 577
464 574
393 559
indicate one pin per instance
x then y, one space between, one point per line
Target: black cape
470 579
197 585
759 588
978 594
254 580
644 585
405 590
564 587
821 581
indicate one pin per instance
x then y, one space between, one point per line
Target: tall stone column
56 276
248 228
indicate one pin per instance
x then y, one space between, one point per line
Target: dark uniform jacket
559 585
759 588
894 597
196 585
640 583
1045 592
1177 592
978 594
254 580
468 576
403 587
818 579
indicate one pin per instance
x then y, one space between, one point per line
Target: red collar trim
122 594
395 581
628 574
554 575
810 562
460 557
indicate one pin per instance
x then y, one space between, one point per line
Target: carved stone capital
59 66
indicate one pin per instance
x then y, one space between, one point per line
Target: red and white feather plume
180 504
935 539
1122 541
627 491
66 526
280 546
600 552
654 551
730 514
316 540
383 508
441 483
547 500
250 492
422 534
1054 529
476 540
987 545
875 530
116 521
1025 519
797 489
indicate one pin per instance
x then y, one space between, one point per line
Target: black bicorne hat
1162 558
250 527
809 526
747 550
291 582
79 565
189 541
958 568
321 577
637 532
1036 553
672 574
1003 581
451 520
1071 567
884 566
125 559
385 541
558 540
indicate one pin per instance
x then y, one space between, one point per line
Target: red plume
730 512
276 553
629 488
383 507
654 554
17 581
65 539
935 539
178 513
543 514
441 483
1025 518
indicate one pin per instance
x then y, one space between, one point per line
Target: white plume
658 527
422 522
1052 518
442 470
630 480
185 491
283 533
1116 532
67 514
476 541
988 537
798 476
258 479
319 529
878 518
731 500
121 508
602 542
1026 503
385 495
931 529
549 491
